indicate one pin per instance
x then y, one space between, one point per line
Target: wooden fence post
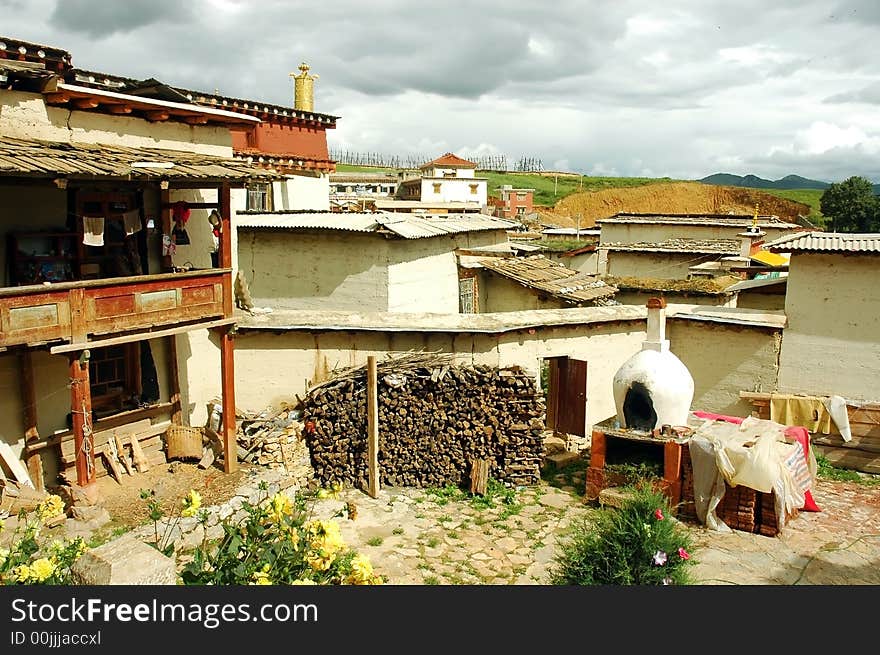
372 427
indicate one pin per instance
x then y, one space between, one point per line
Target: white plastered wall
27 116
831 344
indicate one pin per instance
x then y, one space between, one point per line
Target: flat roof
494 323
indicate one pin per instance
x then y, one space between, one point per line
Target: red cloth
795 432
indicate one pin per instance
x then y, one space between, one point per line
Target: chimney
304 89
656 339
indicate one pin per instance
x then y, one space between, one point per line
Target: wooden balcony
89 310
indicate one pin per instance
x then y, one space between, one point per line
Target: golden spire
755 219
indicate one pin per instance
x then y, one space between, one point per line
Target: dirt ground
676 198
169 484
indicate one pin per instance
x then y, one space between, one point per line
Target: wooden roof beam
85 103
195 120
156 116
57 98
119 110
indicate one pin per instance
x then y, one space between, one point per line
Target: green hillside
550 188
808 197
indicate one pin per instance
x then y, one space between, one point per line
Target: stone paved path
416 537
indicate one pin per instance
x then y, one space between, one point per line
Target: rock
124 561
90 517
554 445
83 496
562 459
614 496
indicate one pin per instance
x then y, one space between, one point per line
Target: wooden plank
479 476
140 336
123 418
31 434
372 428
113 465
100 438
137 454
120 453
146 439
174 382
14 465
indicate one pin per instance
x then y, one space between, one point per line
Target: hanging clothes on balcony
93 230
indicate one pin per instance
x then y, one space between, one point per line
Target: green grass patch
827 471
432 580
397 531
433 542
809 197
549 189
375 541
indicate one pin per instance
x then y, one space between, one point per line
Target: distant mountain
755 182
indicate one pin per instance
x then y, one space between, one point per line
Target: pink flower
658 514
667 581
659 558
682 553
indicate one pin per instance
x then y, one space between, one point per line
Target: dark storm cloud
694 86
99 18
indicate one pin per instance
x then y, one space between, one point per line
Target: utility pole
555 180
577 234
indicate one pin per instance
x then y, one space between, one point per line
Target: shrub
29 562
635 545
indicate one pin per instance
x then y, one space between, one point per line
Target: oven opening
638 408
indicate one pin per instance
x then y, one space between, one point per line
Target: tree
852 206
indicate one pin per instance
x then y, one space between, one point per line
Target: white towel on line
93 230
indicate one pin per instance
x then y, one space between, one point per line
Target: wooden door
567 396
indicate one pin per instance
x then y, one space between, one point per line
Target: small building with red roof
449 178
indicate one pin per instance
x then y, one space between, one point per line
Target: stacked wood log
274 439
435 421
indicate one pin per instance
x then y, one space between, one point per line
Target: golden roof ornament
304 89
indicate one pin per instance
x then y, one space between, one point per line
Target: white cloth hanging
93 230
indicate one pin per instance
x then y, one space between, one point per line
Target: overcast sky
680 88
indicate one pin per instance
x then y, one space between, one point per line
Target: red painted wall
306 142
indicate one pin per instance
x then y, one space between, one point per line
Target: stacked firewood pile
274 439
435 420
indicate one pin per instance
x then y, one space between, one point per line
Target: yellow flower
261 577
361 570
325 537
4 553
42 569
304 581
22 573
51 507
279 507
191 503
2 525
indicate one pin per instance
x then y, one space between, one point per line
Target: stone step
615 496
562 459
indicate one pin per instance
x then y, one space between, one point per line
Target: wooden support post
372 427
174 381
29 401
227 373
672 471
81 411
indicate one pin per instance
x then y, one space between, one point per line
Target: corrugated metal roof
539 273
35 158
407 226
826 242
711 246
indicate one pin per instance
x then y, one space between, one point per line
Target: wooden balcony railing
77 312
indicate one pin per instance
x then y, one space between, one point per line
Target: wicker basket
184 442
